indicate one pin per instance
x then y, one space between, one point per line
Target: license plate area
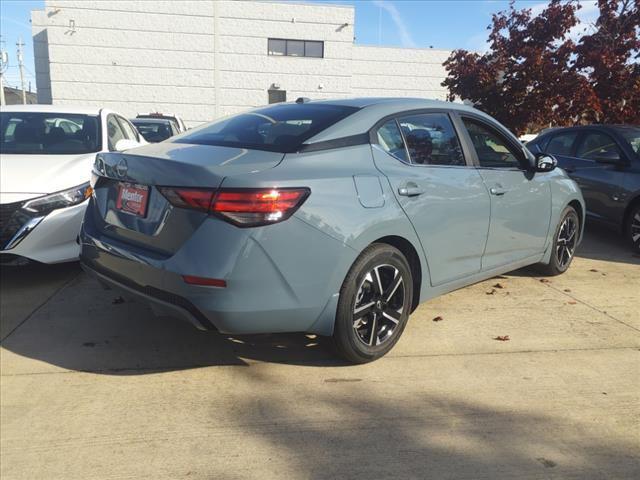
132 199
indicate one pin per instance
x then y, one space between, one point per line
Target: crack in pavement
592 307
35 310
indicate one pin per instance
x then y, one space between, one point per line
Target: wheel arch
411 254
627 212
577 206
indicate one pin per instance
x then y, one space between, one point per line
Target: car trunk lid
153 223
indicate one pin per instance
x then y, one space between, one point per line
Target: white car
46 155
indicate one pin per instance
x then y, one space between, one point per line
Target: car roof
594 126
163 121
82 110
373 109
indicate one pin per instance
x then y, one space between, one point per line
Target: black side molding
360 139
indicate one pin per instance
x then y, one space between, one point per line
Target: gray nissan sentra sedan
329 217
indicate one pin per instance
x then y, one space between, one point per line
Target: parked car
46 156
155 129
329 217
166 116
605 162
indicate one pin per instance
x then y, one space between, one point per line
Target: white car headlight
53 201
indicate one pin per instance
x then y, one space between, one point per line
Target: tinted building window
277 96
295 48
431 140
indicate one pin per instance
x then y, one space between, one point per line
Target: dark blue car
605 162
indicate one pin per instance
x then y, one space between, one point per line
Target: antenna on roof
302 100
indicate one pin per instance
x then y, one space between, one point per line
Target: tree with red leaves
534 75
610 58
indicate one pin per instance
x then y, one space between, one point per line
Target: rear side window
431 139
595 145
562 143
277 128
390 140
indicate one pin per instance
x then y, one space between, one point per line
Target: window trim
121 119
112 148
373 136
304 47
525 166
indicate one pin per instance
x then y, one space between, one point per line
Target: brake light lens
193 198
244 207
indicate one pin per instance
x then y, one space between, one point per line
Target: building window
296 48
277 96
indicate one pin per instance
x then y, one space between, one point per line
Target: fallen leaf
545 280
604 274
491 292
118 300
593 270
438 319
502 338
498 285
572 302
567 290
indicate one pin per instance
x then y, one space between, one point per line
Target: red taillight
204 281
196 199
244 207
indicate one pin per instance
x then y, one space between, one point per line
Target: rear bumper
271 286
162 303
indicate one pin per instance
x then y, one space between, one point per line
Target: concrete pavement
96 389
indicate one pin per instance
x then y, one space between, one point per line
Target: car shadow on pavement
86 328
362 430
600 243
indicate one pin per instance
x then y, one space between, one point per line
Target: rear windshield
278 128
153 131
48 133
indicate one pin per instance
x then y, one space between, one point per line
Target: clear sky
422 24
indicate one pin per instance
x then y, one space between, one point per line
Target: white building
204 59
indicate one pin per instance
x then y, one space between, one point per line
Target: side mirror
610 157
545 162
126 144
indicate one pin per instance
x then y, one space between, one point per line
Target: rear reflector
246 207
207 282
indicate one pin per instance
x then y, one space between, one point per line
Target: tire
565 240
632 228
369 322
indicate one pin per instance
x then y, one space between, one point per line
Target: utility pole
4 63
20 44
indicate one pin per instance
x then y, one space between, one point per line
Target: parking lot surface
96 388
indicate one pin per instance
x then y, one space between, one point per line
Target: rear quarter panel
334 207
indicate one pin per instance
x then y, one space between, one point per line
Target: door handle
497 190
411 190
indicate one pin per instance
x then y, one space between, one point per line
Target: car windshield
632 135
278 128
49 133
153 131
